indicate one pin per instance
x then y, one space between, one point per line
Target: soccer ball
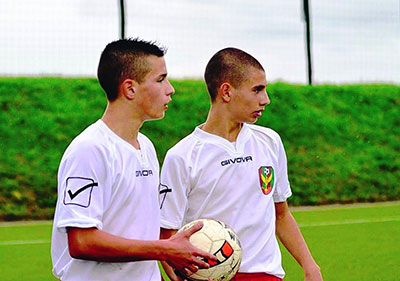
220 240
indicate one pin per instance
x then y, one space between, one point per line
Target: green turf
350 244
28 262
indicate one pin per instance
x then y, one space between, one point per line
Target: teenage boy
107 220
231 170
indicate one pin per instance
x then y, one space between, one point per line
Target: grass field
346 136
350 243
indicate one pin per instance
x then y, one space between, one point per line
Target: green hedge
342 142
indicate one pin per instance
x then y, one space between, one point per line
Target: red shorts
255 277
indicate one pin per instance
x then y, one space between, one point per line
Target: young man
107 219
236 172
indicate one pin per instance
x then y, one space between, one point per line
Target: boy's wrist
311 269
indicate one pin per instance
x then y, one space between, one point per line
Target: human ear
225 90
128 88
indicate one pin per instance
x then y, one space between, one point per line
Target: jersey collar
236 148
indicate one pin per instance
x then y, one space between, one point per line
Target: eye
259 89
161 78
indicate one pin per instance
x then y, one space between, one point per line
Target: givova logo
236 160
144 173
267 178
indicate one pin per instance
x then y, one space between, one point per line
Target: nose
265 100
170 89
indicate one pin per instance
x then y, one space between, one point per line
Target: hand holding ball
220 240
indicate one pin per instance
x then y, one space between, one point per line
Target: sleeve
173 191
282 190
82 187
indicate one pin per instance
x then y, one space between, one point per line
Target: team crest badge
267 178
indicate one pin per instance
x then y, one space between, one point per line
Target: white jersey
104 182
206 176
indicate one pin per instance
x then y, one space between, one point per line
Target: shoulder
92 141
183 148
264 132
90 151
266 137
144 140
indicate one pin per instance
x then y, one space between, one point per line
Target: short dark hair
228 65
123 59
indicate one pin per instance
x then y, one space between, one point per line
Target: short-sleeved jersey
104 182
206 176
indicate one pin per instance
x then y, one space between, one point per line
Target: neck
125 126
219 123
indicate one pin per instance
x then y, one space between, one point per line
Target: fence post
122 17
306 8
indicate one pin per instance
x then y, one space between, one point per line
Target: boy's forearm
96 245
290 235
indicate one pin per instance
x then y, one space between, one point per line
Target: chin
158 116
155 117
252 120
